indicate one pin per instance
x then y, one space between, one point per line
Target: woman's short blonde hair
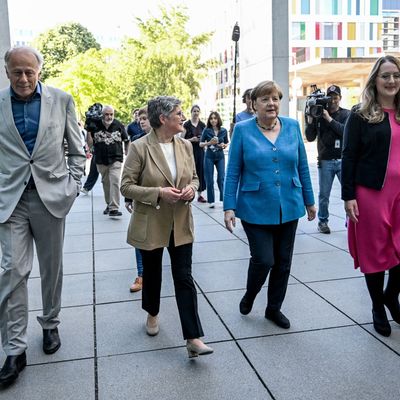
263 88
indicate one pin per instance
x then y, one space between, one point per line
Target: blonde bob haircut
265 88
369 108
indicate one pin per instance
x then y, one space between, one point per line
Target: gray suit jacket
57 179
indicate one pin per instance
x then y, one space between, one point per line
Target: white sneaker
212 205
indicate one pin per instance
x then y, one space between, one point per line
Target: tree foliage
163 60
61 43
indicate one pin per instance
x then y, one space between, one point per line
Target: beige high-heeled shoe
152 328
195 350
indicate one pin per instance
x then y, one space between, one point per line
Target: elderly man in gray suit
38 185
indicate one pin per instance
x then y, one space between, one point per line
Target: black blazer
365 154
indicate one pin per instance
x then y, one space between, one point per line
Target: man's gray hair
27 49
161 105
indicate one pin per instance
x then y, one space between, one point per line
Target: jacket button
277 171
278 183
31 161
274 149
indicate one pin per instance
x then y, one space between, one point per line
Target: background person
110 141
38 185
193 130
268 187
371 188
248 112
160 176
134 130
215 139
329 133
146 128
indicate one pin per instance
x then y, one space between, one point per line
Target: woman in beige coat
160 176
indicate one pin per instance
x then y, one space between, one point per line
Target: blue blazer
264 179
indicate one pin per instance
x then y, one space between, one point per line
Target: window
349 7
328 7
328 31
374 7
391 5
351 31
298 31
330 52
305 7
357 7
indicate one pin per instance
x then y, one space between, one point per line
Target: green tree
87 78
61 43
164 60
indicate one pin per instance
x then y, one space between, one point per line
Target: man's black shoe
51 340
106 211
245 305
11 369
115 213
277 317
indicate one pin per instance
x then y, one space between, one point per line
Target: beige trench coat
145 172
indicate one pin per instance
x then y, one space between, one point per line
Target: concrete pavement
330 352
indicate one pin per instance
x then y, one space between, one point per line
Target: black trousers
93 174
185 291
271 250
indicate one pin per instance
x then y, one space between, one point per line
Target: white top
169 154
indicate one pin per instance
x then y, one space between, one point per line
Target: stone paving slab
55 381
349 295
169 375
223 275
128 327
344 363
323 266
305 310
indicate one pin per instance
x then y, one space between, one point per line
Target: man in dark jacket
109 140
329 130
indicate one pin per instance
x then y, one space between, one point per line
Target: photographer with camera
325 121
108 135
92 116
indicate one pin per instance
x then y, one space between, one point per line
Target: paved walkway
330 351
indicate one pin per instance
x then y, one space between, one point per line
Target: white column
5 41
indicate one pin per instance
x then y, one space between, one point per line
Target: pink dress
374 242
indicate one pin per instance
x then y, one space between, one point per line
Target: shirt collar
36 94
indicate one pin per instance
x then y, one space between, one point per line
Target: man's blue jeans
327 169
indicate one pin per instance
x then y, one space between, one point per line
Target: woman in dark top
193 130
371 188
215 139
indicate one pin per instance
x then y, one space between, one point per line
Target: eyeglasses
386 77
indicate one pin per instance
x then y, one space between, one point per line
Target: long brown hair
370 109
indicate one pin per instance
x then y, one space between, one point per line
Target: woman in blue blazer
268 186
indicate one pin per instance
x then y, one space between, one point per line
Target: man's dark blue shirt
26 115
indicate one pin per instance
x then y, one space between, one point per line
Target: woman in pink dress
371 188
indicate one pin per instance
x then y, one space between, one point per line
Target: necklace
269 128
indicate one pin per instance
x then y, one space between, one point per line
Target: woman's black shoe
393 306
245 305
278 318
381 323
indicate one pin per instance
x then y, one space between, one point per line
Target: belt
31 184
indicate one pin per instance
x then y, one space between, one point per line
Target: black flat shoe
393 306
11 369
381 323
51 340
245 305
278 318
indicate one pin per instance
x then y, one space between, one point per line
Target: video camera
316 102
93 115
